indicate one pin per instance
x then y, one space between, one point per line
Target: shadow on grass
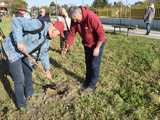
55 50
68 72
4 72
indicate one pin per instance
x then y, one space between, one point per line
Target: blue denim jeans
148 27
21 74
92 67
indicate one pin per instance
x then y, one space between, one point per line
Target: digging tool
2 34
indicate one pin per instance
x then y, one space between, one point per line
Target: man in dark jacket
89 26
149 16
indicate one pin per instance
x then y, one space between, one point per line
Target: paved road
138 32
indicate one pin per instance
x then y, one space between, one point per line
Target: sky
70 2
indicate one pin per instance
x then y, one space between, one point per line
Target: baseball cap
22 7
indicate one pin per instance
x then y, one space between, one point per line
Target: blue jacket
32 41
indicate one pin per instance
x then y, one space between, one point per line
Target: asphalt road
136 32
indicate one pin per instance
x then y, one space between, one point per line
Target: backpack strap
37 49
37 31
66 23
33 32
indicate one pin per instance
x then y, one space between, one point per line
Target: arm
146 14
17 30
70 38
17 33
71 35
97 26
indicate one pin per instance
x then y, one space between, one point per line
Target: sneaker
22 109
87 91
83 86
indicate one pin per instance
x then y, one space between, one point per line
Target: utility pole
56 6
126 10
120 2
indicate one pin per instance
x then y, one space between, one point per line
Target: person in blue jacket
26 36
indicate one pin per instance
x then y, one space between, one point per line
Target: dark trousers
62 40
22 76
148 27
92 67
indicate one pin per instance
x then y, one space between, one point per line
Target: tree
52 4
54 8
66 6
100 3
139 3
118 4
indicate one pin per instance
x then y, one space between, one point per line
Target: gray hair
74 11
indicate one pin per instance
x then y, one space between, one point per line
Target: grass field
128 88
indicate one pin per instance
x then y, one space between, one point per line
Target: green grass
128 88
5 25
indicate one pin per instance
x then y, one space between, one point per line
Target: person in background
89 26
63 17
149 16
28 36
43 15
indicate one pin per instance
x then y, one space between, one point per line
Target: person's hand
48 75
22 47
96 52
64 49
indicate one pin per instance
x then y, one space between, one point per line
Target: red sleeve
71 35
97 25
